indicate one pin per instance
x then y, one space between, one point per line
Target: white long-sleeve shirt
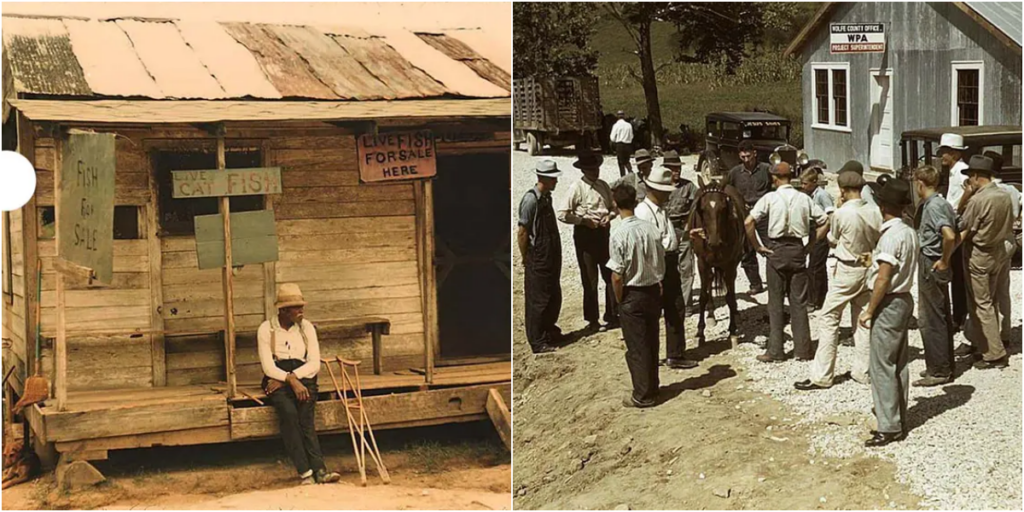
288 344
650 212
956 184
622 132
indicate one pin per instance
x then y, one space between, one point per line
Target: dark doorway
472 202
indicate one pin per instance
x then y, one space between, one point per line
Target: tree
712 31
553 39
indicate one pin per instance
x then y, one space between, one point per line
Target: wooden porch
95 422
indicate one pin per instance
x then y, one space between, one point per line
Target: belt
641 288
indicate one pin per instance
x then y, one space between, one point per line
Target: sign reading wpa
857 38
397 156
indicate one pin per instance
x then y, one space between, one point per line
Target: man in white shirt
790 216
622 138
290 357
951 147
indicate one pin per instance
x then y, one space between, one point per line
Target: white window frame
831 126
954 110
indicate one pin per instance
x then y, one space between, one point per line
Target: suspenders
273 341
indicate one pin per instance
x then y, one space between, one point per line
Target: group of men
647 265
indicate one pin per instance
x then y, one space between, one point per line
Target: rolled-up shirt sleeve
818 215
567 210
889 251
267 354
528 210
312 366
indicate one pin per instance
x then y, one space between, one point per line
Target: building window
831 96
8 260
126 223
177 216
968 80
47 226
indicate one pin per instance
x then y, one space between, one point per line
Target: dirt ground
712 444
457 467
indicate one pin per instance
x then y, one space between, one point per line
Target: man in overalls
790 214
541 249
679 208
290 357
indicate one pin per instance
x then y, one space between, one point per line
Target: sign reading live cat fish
857 38
397 156
229 182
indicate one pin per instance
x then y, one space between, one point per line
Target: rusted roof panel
111 66
455 76
457 50
41 59
157 112
331 63
175 67
230 63
495 49
286 69
387 64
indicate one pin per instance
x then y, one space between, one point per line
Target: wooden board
85 217
230 182
253 239
73 426
500 416
209 435
396 156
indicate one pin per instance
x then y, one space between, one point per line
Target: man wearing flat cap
790 215
589 209
540 246
290 357
891 279
622 138
985 225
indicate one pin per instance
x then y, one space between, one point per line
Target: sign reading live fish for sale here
397 156
857 38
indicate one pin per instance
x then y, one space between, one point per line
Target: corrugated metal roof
174 59
203 111
1006 16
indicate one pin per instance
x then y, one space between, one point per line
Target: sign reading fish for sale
857 38
397 156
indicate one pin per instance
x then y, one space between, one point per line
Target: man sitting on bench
290 357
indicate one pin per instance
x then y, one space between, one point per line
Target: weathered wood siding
923 40
14 321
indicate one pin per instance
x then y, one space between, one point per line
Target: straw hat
953 141
548 169
288 295
660 179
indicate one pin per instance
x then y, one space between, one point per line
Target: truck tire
533 145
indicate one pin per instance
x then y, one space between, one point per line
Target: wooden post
30 238
432 334
228 276
151 220
61 348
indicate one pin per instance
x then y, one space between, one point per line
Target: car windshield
767 132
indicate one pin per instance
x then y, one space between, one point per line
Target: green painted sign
253 239
85 214
229 182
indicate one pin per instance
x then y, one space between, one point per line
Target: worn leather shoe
807 385
323 476
544 348
679 364
964 350
631 403
882 438
757 290
923 374
930 381
1002 362
765 358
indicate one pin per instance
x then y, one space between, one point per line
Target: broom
37 388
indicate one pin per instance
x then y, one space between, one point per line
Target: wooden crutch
364 420
342 395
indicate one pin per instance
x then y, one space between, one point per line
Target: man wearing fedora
290 357
660 186
644 163
541 249
936 231
1003 295
853 231
790 215
891 279
951 148
622 138
588 207
752 179
986 224
680 205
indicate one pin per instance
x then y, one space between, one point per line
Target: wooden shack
421 266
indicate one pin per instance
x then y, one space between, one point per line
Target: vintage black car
725 130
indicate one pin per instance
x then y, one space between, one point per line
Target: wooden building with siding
142 361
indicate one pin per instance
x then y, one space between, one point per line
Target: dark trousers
592 255
543 304
749 263
639 314
787 277
933 318
673 305
622 152
296 419
817 274
959 287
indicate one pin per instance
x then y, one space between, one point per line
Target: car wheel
532 144
705 169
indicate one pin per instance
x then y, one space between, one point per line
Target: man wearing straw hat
541 249
290 357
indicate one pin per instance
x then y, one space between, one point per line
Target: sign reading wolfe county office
85 219
856 38
229 182
397 156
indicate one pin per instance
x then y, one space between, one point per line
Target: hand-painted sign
857 37
253 239
397 156
85 213
229 182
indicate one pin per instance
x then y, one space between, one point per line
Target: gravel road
964 448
